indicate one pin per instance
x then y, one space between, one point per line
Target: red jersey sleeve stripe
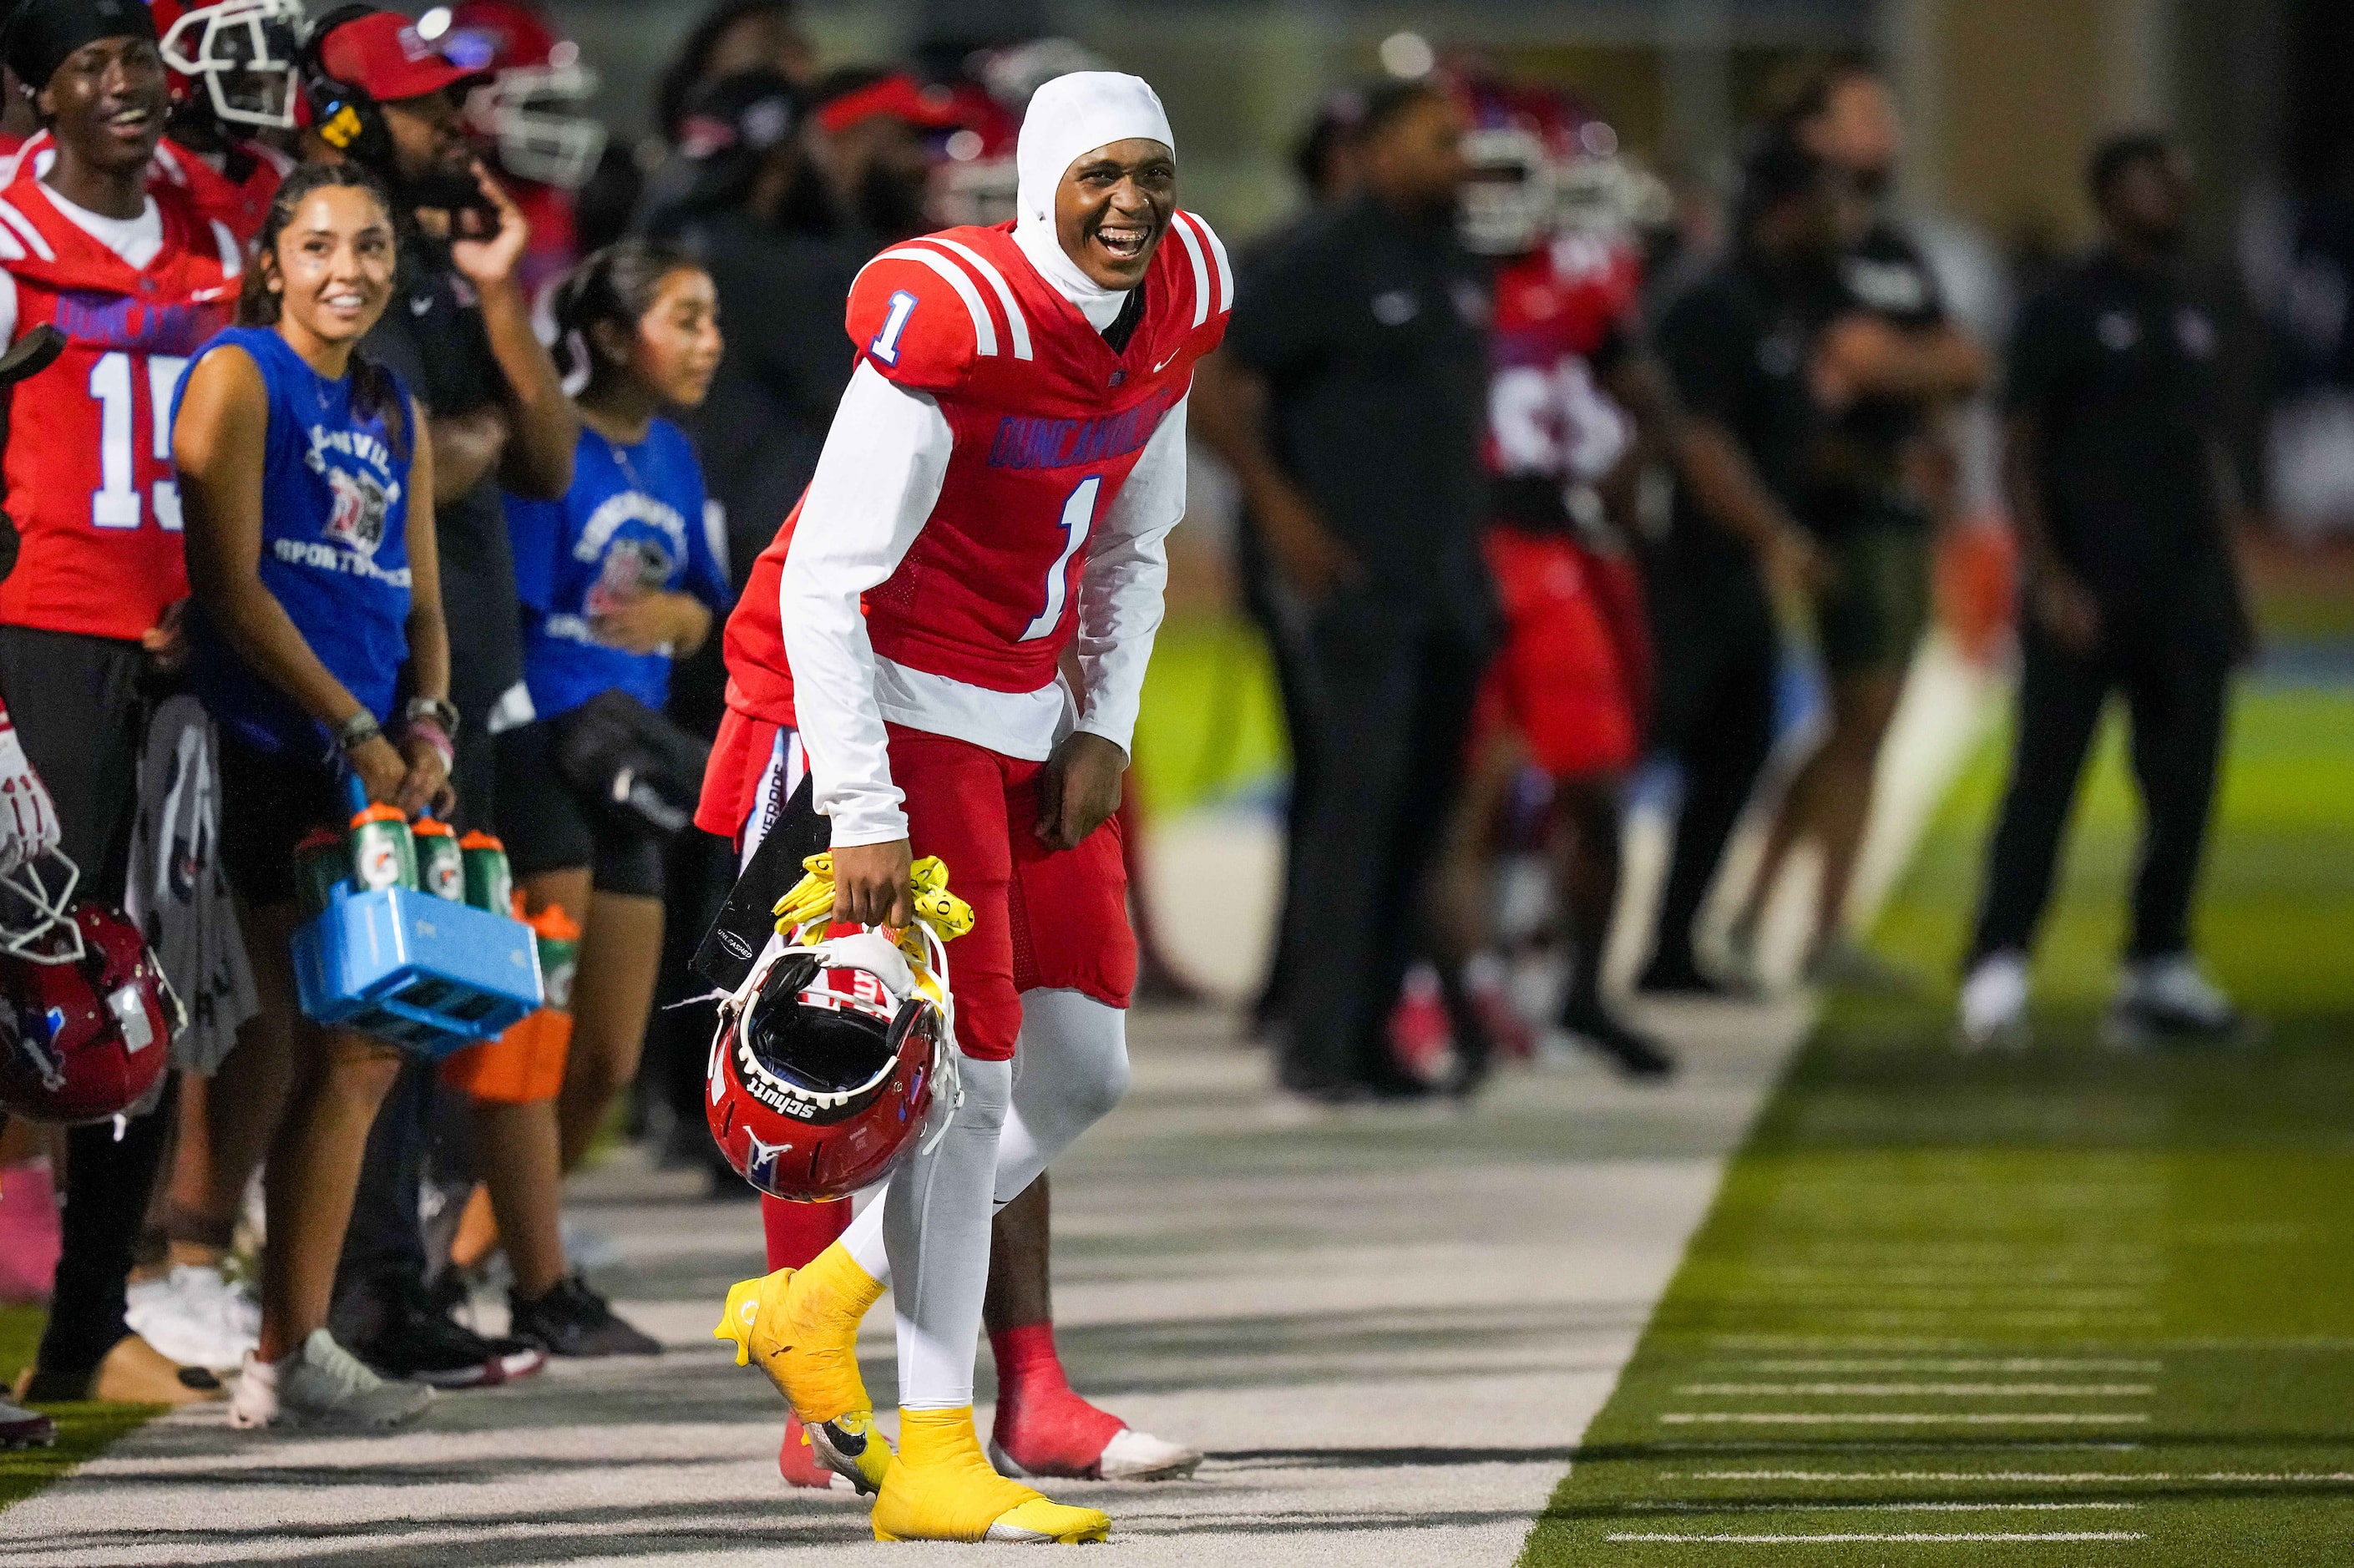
24 229
984 334
1201 269
1217 254
1015 323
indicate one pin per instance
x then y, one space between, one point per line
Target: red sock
798 1231
1043 1425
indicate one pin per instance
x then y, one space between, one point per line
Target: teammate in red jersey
136 279
995 487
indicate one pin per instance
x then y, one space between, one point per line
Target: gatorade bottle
320 863
489 883
384 853
559 955
441 864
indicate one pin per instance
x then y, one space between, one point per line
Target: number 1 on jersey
1078 516
886 347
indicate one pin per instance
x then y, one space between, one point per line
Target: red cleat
1045 1429
799 1464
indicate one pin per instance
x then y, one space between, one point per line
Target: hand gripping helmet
826 1062
536 106
86 1015
245 53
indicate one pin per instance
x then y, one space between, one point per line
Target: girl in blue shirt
307 491
616 580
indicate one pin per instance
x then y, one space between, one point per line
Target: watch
433 710
356 731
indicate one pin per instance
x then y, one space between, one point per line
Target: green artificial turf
2068 1306
83 1430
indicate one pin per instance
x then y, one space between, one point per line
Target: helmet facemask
244 51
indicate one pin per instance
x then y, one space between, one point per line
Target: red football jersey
1048 422
1555 307
89 459
240 204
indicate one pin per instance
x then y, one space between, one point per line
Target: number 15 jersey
88 459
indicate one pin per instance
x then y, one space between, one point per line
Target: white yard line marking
1905 1418
1939 1390
1908 1538
1738 1506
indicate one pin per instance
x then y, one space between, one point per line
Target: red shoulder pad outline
923 314
1203 255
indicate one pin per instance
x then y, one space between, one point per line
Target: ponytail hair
375 394
618 284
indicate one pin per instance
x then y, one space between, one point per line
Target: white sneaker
323 1385
195 1317
2169 1001
1994 1004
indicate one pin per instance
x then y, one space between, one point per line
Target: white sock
935 1232
1070 1069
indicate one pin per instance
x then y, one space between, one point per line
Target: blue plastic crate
430 976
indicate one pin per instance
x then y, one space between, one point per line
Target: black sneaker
418 1340
571 1319
1633 1052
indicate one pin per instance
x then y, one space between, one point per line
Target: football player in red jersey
136 278
996 487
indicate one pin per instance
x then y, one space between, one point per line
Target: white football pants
928 1235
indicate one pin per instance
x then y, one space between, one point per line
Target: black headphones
346 116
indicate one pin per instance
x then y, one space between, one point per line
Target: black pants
2176 690
1396 695
79 711
1718 656
1280 618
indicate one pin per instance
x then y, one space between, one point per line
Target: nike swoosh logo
1164 364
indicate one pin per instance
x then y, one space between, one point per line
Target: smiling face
106 103
331 267
675 350
1113 206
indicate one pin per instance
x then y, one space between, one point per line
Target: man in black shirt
1349 399
2122 494
1738 345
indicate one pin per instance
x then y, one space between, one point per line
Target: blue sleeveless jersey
631 523
335 549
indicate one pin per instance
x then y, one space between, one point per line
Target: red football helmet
536 107
86 1015
826 1062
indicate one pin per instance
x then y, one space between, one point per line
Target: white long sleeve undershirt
886 458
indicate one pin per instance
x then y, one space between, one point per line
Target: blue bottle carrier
422 972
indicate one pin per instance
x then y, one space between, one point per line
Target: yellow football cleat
943 1488
802 1325
851 1448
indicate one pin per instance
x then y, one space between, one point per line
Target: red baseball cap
383 55
900 96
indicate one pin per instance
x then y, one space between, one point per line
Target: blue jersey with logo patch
335 547
631 523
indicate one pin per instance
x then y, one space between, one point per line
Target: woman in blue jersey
617 579
308 500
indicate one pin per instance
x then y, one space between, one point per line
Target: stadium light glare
1408 56
433 24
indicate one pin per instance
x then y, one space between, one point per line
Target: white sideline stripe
1905 1418
1201 271
1014 321
1901 1364
1941 1390
984 334
1737 1507
1908 1537
24 227
2037 1477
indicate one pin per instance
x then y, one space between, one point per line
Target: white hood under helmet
1070 115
